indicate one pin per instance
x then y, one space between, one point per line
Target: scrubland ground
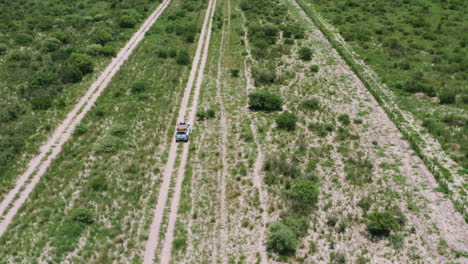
319 182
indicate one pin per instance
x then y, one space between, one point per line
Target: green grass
414 46
40 82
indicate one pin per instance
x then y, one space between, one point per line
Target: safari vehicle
183 132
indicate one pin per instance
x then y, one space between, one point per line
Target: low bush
344 119
109 50
281 239
383 223
275 166
138 87
359 171
22 38
109 144
206 114
98 183
51 44
447 96
235 72
3 48
304 195
183 58
286 121
314 68
41 103
80 129
101 36
265 101
70 74
311 104
127 21
81 215
264 76
82 62
10 112
305 54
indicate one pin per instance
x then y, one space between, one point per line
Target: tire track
153 240
38 165
224 142
256 177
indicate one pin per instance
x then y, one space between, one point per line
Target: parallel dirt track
38 166
197 67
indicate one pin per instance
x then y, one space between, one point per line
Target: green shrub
305 54
70 74
206 114
51 44
344 119
304 195
337 257
447 95
127 21
138 87
235 72
118 130
64 37
80 129
314 68
3 48
264 76
108 144
281 239
22 38
183 58
286 121
98 183
265 101
383 223
109 50
81 215
311 104
94 49
101 36
358 171
275 166
41 103
82 62
10 112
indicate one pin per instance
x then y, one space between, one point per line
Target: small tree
281 239
82 62
305 54
102 36
127 21
304 195
183 58
287 121
382 223
71 74
265 101
81 215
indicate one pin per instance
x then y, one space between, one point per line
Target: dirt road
38 166
197 67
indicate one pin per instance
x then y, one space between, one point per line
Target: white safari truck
183 132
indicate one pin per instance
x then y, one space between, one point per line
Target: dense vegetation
417 47
46 49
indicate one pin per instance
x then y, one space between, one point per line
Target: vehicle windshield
180 133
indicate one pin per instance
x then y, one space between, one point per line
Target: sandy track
38 166
153 239
256 177
224 142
